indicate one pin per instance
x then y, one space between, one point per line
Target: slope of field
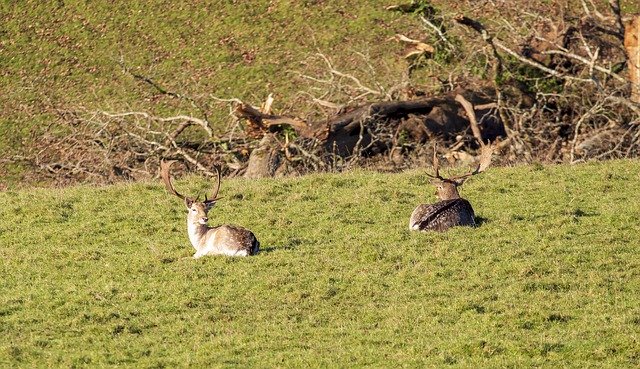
66 56
96 277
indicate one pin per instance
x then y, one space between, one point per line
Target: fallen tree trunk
260 122
346 132
350 122
351 132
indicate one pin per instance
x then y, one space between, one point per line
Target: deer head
447 188
198 210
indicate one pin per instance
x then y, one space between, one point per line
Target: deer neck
450 196
448 192
197 233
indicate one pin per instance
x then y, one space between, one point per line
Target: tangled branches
103 147
562 96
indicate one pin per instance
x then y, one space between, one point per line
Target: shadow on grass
481 220
291 245
577 213
275 248
265 250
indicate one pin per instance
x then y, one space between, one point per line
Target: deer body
452 210
223 240
227 240
442 215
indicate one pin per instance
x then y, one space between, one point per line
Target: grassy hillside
95 277
65 55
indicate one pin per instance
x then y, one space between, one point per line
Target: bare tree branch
590 63
438 31
615 8
185 118
471 114
478 27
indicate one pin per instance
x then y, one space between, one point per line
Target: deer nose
205 219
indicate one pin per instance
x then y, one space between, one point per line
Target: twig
626 102
617 146
634 142
176 148
201 122
315 160
478 27
585 7
438 32
588 63
355 155
332 70
596 12
161 89
615 8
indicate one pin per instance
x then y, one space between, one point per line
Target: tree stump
265 160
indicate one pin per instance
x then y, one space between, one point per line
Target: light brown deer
221 240
451 210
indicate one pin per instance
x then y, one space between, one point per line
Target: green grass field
100 276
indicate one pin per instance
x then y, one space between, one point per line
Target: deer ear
209 204
188 202
460 182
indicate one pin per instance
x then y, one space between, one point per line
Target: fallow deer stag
451 210
221 240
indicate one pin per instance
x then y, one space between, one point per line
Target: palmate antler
485 161
165 166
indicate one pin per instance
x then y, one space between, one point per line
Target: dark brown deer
221 240
451 210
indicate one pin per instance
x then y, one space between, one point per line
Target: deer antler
166 178
485 161
436 165
217 188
